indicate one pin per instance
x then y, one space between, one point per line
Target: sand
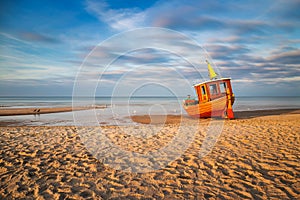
254 158
43 110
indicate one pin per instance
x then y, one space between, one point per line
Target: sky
109 47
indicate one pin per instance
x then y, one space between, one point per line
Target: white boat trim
219 79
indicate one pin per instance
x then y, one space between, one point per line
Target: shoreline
140 119
44 110
267 112
172 119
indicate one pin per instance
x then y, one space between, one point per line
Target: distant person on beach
189 100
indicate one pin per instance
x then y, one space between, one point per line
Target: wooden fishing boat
215 98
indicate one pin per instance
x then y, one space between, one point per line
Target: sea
117 110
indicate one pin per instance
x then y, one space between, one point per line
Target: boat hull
214 108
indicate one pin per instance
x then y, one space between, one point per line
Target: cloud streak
37 37
250 43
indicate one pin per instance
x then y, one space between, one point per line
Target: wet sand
255 157
43 110
173 119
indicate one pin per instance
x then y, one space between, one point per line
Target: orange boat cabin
213 89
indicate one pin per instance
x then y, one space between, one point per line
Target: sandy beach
257 156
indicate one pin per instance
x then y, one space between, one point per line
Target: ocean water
118 109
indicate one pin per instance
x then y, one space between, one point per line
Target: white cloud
119 19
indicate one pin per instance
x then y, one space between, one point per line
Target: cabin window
203 90
213 89
223 87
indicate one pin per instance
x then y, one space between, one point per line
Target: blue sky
44 43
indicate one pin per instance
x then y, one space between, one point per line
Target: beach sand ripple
257 158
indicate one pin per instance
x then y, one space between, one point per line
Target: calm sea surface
119 108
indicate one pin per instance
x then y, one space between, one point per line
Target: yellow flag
212 73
